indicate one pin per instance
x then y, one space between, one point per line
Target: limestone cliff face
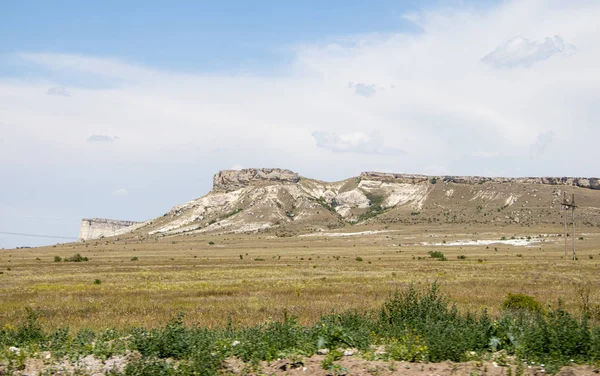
96 228
231 180
591 183
269 199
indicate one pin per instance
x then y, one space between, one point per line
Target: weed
331 357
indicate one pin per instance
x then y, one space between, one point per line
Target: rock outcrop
278 200
591 183
231 180
95 228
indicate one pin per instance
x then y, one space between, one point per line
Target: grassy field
249 279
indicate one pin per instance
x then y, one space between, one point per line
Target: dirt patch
358 366
348 365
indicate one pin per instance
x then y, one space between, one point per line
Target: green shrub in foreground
413 326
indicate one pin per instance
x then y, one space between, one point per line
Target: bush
359 259
437 255
134 258
57 259
518 302
76 258
447 334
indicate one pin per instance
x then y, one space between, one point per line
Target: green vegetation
374 208
521 302
231 213
413 326
76 258
331 207
437 255
57 259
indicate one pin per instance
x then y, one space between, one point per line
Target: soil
348 365
360 367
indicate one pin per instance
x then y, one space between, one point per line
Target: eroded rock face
96 228
231 180
591 183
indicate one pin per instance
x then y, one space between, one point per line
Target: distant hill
280 200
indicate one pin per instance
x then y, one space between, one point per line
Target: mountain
281 201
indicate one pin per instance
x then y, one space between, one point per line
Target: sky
125 109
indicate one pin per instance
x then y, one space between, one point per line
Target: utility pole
566 205
573 206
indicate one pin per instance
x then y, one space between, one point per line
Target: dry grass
303 276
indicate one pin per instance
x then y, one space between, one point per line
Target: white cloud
520 52
120 192
59 91
543 140
101 138
484 154
445 108
363 89
355 142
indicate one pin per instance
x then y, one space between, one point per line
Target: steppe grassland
248 279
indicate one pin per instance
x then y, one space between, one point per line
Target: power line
37 235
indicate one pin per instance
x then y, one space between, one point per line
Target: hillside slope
253 200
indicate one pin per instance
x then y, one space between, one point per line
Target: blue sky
123 109
193 35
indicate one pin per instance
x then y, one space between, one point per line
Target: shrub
461 257
518 302
134 258
76 258
359 258
437 255
97 281
211 243
57 259
447 334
